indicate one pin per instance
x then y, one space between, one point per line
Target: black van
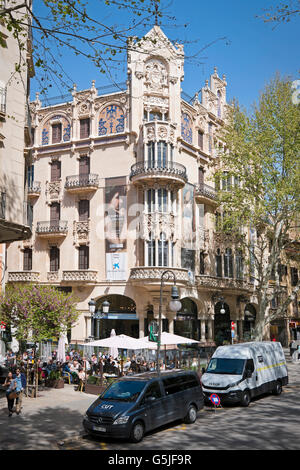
133 405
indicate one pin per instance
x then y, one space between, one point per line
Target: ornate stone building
120 190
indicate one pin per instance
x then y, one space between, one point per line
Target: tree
37 312
262 161
283 13
73 25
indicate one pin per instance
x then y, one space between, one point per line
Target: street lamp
97 315
174 305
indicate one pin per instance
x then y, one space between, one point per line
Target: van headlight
121 420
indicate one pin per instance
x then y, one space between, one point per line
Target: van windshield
124 391
219 365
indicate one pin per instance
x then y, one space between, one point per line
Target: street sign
153 332
215 399
233 325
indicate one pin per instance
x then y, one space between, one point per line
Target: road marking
103 446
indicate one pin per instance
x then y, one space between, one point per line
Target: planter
55 383
94 389
59 383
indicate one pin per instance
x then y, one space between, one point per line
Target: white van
240 372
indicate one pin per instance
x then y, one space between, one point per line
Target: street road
53 421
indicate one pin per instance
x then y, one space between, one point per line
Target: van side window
178 384
153 390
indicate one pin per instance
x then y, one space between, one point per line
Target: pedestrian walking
10 386
20 381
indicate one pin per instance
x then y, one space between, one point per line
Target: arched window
239 264
151 250
219 263
228 263
163 248
219 103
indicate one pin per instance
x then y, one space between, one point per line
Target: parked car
132 406
237 373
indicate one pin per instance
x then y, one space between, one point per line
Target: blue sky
251 54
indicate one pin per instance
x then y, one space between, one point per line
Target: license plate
99 428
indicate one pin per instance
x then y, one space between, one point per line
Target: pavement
53 421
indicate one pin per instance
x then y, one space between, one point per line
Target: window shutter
55 170
55 212
84 210
56 133
83 257
27 259
54 258
84 128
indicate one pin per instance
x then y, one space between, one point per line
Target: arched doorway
222 325
249 322
121 317
186 323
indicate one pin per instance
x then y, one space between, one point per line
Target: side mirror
149 400
248 374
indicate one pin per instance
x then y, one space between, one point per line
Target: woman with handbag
10 392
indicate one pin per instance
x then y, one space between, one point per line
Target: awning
10 232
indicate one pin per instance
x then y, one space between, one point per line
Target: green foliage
262 161
41 311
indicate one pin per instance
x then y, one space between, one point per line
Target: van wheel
137 432
278 388
245 399
191 415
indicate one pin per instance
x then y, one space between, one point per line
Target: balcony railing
88 276
159 169
89 180
23 276
34 188
55 227
206 192
151 274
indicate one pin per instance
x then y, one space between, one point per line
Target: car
134 405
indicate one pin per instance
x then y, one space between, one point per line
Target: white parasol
61 348
113 350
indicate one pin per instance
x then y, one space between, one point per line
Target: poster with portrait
188 228
115 228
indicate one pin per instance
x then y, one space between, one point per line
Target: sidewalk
54 416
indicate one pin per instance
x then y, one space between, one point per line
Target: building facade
120 190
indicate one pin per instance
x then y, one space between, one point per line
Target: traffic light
153 332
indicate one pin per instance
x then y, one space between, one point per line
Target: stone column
210 329
141 326
88 326
202 331
240 330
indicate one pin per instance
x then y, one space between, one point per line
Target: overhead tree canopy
84 28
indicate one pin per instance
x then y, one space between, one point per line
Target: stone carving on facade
53 190
157 223
53 276
155 75
81 231
154 273
23 276
80 276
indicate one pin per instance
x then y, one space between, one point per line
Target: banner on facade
115 227
188 228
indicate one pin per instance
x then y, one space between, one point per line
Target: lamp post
175 306
97 315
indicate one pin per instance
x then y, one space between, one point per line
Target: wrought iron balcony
81 183
206 194
142 172
52 228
